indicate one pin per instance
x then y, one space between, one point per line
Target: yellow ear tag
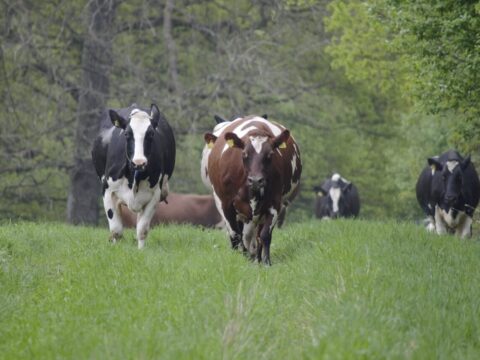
434 168
283 146
230 143
117 124
210 145
319 194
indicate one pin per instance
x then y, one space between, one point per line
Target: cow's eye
128 134
149 134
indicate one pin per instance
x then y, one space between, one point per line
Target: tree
96 61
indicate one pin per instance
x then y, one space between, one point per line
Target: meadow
336 290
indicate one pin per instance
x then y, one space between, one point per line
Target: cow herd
253 168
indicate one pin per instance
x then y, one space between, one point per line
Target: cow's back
181 209
188 209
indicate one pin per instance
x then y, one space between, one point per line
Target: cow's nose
450 198
256 182
139 163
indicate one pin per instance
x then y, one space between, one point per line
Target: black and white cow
336 197
134 159
448 190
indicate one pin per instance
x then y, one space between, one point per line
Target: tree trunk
175 85
82 204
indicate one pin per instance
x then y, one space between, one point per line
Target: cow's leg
144 218
430 224
234 228
164 191
111 204
231 224
464 230
264 237
440 224
247 236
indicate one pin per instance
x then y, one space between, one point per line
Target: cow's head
333 197
448 178
139 130
257 153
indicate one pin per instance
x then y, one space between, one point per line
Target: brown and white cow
254 168
180 209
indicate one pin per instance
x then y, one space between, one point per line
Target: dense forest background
369 89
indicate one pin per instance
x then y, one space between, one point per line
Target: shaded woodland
369 89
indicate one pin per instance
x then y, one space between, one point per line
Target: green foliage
339 289
425 51
351 79
365 48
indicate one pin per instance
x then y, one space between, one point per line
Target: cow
217 130
254 168
134 157
221 124
448 191
336 197
180 209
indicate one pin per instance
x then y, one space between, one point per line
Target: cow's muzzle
451 199
256 183
139 164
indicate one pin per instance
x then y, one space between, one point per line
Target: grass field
336 290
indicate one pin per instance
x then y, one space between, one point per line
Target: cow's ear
435 164
209 139
117 120
319 191
219 119
234 141
265 116
465 162
281 140
347 186
154 115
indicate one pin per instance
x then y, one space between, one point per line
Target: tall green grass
336 290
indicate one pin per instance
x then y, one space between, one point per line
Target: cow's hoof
114 237
141 244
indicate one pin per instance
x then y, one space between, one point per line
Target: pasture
337 290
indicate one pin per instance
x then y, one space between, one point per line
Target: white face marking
337 177
451 165
139 122
335 195
257 142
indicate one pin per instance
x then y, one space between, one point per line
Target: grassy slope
340 289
